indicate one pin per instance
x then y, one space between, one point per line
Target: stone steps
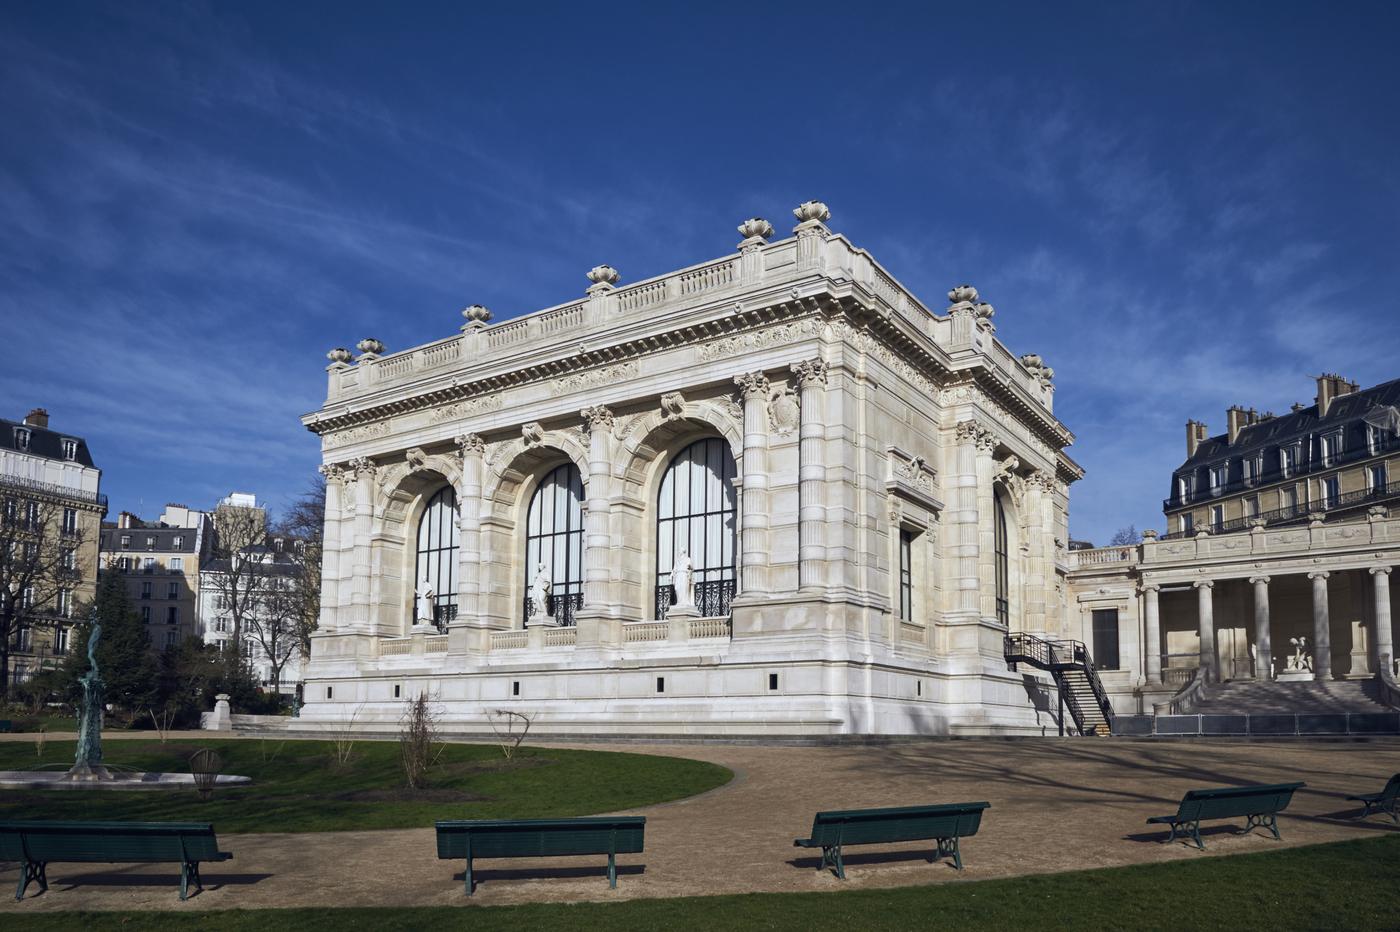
1240 697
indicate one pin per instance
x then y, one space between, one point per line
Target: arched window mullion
560 548
436 558
705 468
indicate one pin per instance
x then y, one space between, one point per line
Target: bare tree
1126 536
275 623
40 548
239 577
303 526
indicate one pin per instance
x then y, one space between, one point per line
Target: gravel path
1057 804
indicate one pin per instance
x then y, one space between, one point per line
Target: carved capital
810 373
1381 570
1319 574
1259 580
597 417
1040 481
361 467
1204 584
752 385
1145 588
470 444
977 433
331 472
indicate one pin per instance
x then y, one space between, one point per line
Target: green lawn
1350 885
43 721
300 787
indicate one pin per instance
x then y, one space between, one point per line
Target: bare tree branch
41 563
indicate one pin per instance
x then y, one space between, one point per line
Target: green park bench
1387 800
540 838
946 823
1260 805
36 844
5 726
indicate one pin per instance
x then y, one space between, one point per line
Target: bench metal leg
1268 820
831 860
612 870
1196 834
467 874
31 871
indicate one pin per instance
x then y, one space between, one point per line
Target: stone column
1152 634
1384 634
811 553
361 568
753 541
473 450
330 549
597 552
986 526
1263 637
1322 627
1205 613
966 538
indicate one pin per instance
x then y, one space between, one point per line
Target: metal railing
58 491
1296 514
712 598
1057 657
1277 474
562 608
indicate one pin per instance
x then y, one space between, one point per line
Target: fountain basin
152 780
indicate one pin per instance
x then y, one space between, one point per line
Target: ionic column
1152 634
597 552
1263 639
1205 613
965 544
1385 637
361 568
330 548
1322 627
811 552
753 542
473 450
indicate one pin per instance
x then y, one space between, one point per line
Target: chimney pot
39 417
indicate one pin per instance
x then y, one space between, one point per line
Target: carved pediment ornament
672 406
784 411
532 433
416 458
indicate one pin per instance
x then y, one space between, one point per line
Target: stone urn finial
340 355
756 229
369 346
477 316
963 294
603 275
808 211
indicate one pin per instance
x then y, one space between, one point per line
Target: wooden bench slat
1260 805
946 823
523 838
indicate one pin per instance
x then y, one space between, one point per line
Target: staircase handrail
1184 701
1054 656
1096 684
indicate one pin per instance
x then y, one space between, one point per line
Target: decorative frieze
591 378
467 408
342 438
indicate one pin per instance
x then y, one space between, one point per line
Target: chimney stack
1236 419
1195 433
1330 387
37 418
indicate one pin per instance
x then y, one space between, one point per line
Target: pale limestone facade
859 447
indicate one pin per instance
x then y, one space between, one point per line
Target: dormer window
150 543
1328 446
1218 476
1288 460
70 449
22 439
178 542
126 541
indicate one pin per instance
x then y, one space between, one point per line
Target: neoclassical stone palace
772 493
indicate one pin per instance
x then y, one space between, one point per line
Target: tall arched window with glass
554 540
697 514
437 554
1003 564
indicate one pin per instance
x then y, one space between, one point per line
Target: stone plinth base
1296 676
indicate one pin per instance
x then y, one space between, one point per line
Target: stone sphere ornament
811 210
370 345
339 354
755 227
963 294
603 275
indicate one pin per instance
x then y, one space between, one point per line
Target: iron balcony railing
21 483
1299 513
562 608
712 598
1276 474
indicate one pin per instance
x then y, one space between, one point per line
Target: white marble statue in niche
539 595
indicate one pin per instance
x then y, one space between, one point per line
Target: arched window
554 537
437 554
1003 563
697 512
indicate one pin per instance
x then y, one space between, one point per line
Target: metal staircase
1081 690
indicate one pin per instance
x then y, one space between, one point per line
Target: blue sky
1180 206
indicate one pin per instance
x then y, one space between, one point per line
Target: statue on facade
87 763
539 593
426 602
683 581
1301 659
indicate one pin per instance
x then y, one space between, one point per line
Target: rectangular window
145 590
170 639
1218 477
172 615
148 565
26 597
1288 499
60 641
1187 523
1217 517
70 520
126 541
177 564
32 514
70 558
21 439
1329 446
1288 460
1376 478
1253 467
1183 490
150 543
172 591
146 614
64 603
26 640
1331 489
70 449
177 543
1251 507
11 511
1106 638
906 575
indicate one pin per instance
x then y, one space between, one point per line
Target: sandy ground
1056 804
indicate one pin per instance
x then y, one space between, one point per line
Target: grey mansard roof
1345 412
43 441
164 539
